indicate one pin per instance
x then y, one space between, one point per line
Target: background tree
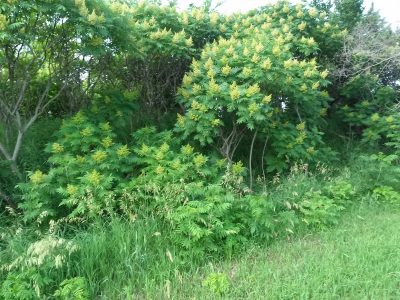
50 52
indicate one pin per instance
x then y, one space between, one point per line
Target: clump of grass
358 259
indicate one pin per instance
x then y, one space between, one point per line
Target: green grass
358 259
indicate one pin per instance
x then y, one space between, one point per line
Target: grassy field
358 259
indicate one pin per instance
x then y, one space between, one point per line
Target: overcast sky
389 9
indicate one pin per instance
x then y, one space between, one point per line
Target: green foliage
72 289
380 169
25 285
262 80
117 210
217 283
319 210
349 12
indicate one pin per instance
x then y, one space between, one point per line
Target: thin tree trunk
250 160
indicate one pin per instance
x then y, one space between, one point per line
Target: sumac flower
37 177
226 70
189 42
234 91
199 160
253 108
302 26
71 189
246 72
216 122
94 177
187 150
313 12
252 90
99 156
123 151
107 142
375 117
187 80
213 87
237 168
86 132
160 170
324 74
57 148
267 99
181 120
267 64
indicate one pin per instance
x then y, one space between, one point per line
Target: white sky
389 9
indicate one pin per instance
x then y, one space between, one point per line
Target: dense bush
182 136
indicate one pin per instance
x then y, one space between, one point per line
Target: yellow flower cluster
37 177
301 137
267 64
71 189
86 132
198 14
215 122
57 148
80 159
315 85
123 151
145 149
179 37
187 150
120 8
209 63
246 72
196 88
160 170
301 126
237 168
267 99
160 34
302 26
83 10
253 108
79 118
192 116
213 87
324 74
323 112
310 150
226 70
211 73
94 177
255 59
95 19
181 120
189 42
214 17
107 142
234 91
389 119
99 156
3 22
105 126
252 90
313 12
375 117
187 80
199 160
276 50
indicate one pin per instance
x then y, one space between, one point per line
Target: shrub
264 82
